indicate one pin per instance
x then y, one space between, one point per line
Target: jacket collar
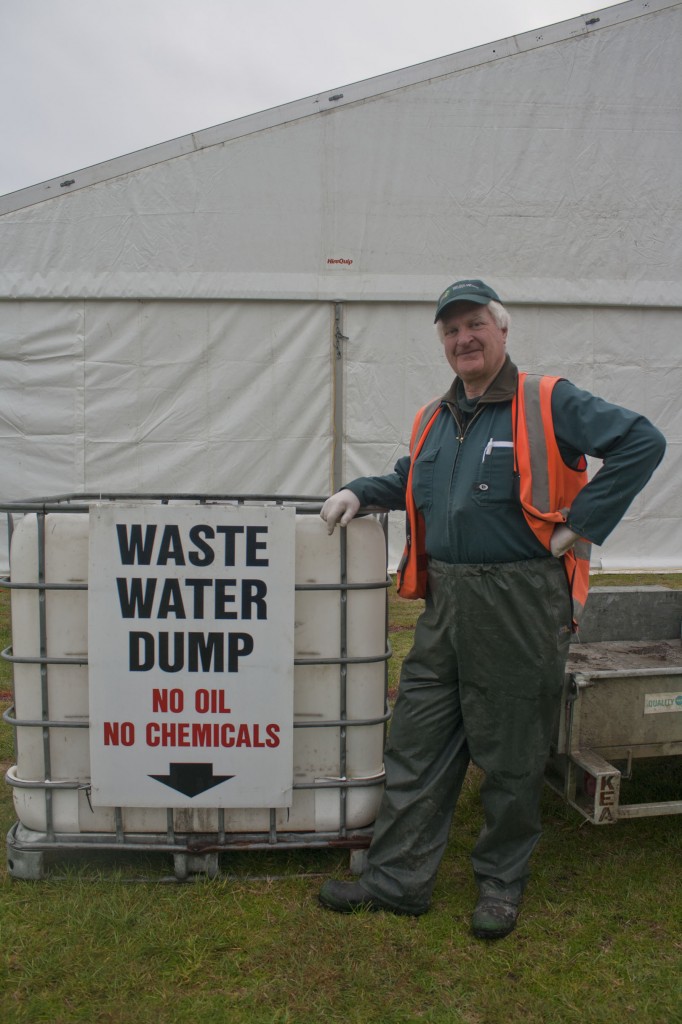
501 389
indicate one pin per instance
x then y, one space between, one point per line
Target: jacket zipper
460 441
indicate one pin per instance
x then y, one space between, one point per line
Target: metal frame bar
196 843
338 371
594 764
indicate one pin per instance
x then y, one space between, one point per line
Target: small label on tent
662 703
339 262
191 663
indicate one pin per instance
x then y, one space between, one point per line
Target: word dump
191 655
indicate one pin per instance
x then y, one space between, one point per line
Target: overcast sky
86 80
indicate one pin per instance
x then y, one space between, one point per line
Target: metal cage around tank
29 849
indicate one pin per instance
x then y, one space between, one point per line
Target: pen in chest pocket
492 443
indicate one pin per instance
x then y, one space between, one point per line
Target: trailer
621 702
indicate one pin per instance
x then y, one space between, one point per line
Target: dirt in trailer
619 655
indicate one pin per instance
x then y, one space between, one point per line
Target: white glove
562 539
340 508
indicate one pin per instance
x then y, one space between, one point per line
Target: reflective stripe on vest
547 487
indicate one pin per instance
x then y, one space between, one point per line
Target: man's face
475 347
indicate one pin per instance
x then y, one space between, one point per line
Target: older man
499 518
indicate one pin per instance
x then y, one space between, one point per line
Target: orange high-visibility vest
412 572
547 488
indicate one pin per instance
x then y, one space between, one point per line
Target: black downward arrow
191 779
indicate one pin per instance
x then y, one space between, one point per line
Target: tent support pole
339 338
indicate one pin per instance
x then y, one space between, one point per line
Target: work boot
345 897
494 916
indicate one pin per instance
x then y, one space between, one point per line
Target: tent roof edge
330 100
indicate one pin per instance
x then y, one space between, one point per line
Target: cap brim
478 299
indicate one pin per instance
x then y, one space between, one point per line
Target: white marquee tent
248 309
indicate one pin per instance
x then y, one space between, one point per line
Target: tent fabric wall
140 396
169 323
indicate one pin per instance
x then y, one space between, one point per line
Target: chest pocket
494 483
422 478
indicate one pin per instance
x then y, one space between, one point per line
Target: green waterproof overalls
482 683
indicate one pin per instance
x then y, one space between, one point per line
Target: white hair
497 311
500 314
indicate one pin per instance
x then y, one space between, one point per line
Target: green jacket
464 483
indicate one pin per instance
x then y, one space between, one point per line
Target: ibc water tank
339 687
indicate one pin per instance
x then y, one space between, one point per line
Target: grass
112 940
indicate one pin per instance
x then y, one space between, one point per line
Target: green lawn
117 940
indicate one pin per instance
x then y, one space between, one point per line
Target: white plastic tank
59 692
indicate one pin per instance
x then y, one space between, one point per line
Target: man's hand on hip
340 508
562 539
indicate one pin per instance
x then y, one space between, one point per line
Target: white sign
191 655
662 703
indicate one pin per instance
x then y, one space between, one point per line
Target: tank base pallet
30 853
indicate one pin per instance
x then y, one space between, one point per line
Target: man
499 516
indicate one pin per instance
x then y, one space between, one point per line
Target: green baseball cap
465 291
